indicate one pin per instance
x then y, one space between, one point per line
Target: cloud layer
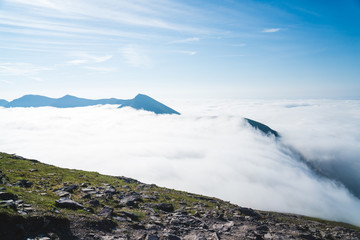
209 149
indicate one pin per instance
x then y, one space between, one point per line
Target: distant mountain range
139 102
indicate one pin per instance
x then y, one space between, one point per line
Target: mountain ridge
140 102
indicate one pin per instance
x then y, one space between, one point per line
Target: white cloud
191 53
88 58
187 40
208 149
101 69
271 30
135 56
142 14
20 69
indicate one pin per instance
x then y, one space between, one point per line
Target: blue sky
180 49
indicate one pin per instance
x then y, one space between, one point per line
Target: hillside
47 202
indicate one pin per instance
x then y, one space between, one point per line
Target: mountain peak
147 103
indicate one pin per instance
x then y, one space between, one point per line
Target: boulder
110 190
70 188
106 211
7 196
68 203
94 202
8 204
132 200
152 237
249 212
166 207
23 183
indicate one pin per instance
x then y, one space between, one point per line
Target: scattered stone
166 207
130 215
33 170
152 237
8 204
86 196
110 190
173 237
62 194
68 203
106 211
128 180
8 196
88 190
150 197
249 212
23 183
94 202
70 188
132 200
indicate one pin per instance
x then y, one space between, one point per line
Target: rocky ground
40 201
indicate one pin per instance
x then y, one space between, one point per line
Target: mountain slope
40 200
139 102
149 104
3 102
262 127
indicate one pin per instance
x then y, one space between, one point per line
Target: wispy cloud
88 58
16 69
141 14
187 40
101 69
191 53
271 30
135 56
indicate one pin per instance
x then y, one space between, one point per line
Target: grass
47 178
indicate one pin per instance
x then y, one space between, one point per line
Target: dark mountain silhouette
262 127
139 102
149 104
3 102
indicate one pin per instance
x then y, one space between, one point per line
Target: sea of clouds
209 149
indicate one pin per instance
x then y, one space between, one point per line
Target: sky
209 149
180 49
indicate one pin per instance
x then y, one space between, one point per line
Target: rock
86 196
132 200
8 204
68 203
110 190
89 190
173 237
106 211
166 207
130 215
94 203
70 188
152 237
8 196
308 236
128 180
33 170
23 183
149 197
249 212
263 229
62 194
195 236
